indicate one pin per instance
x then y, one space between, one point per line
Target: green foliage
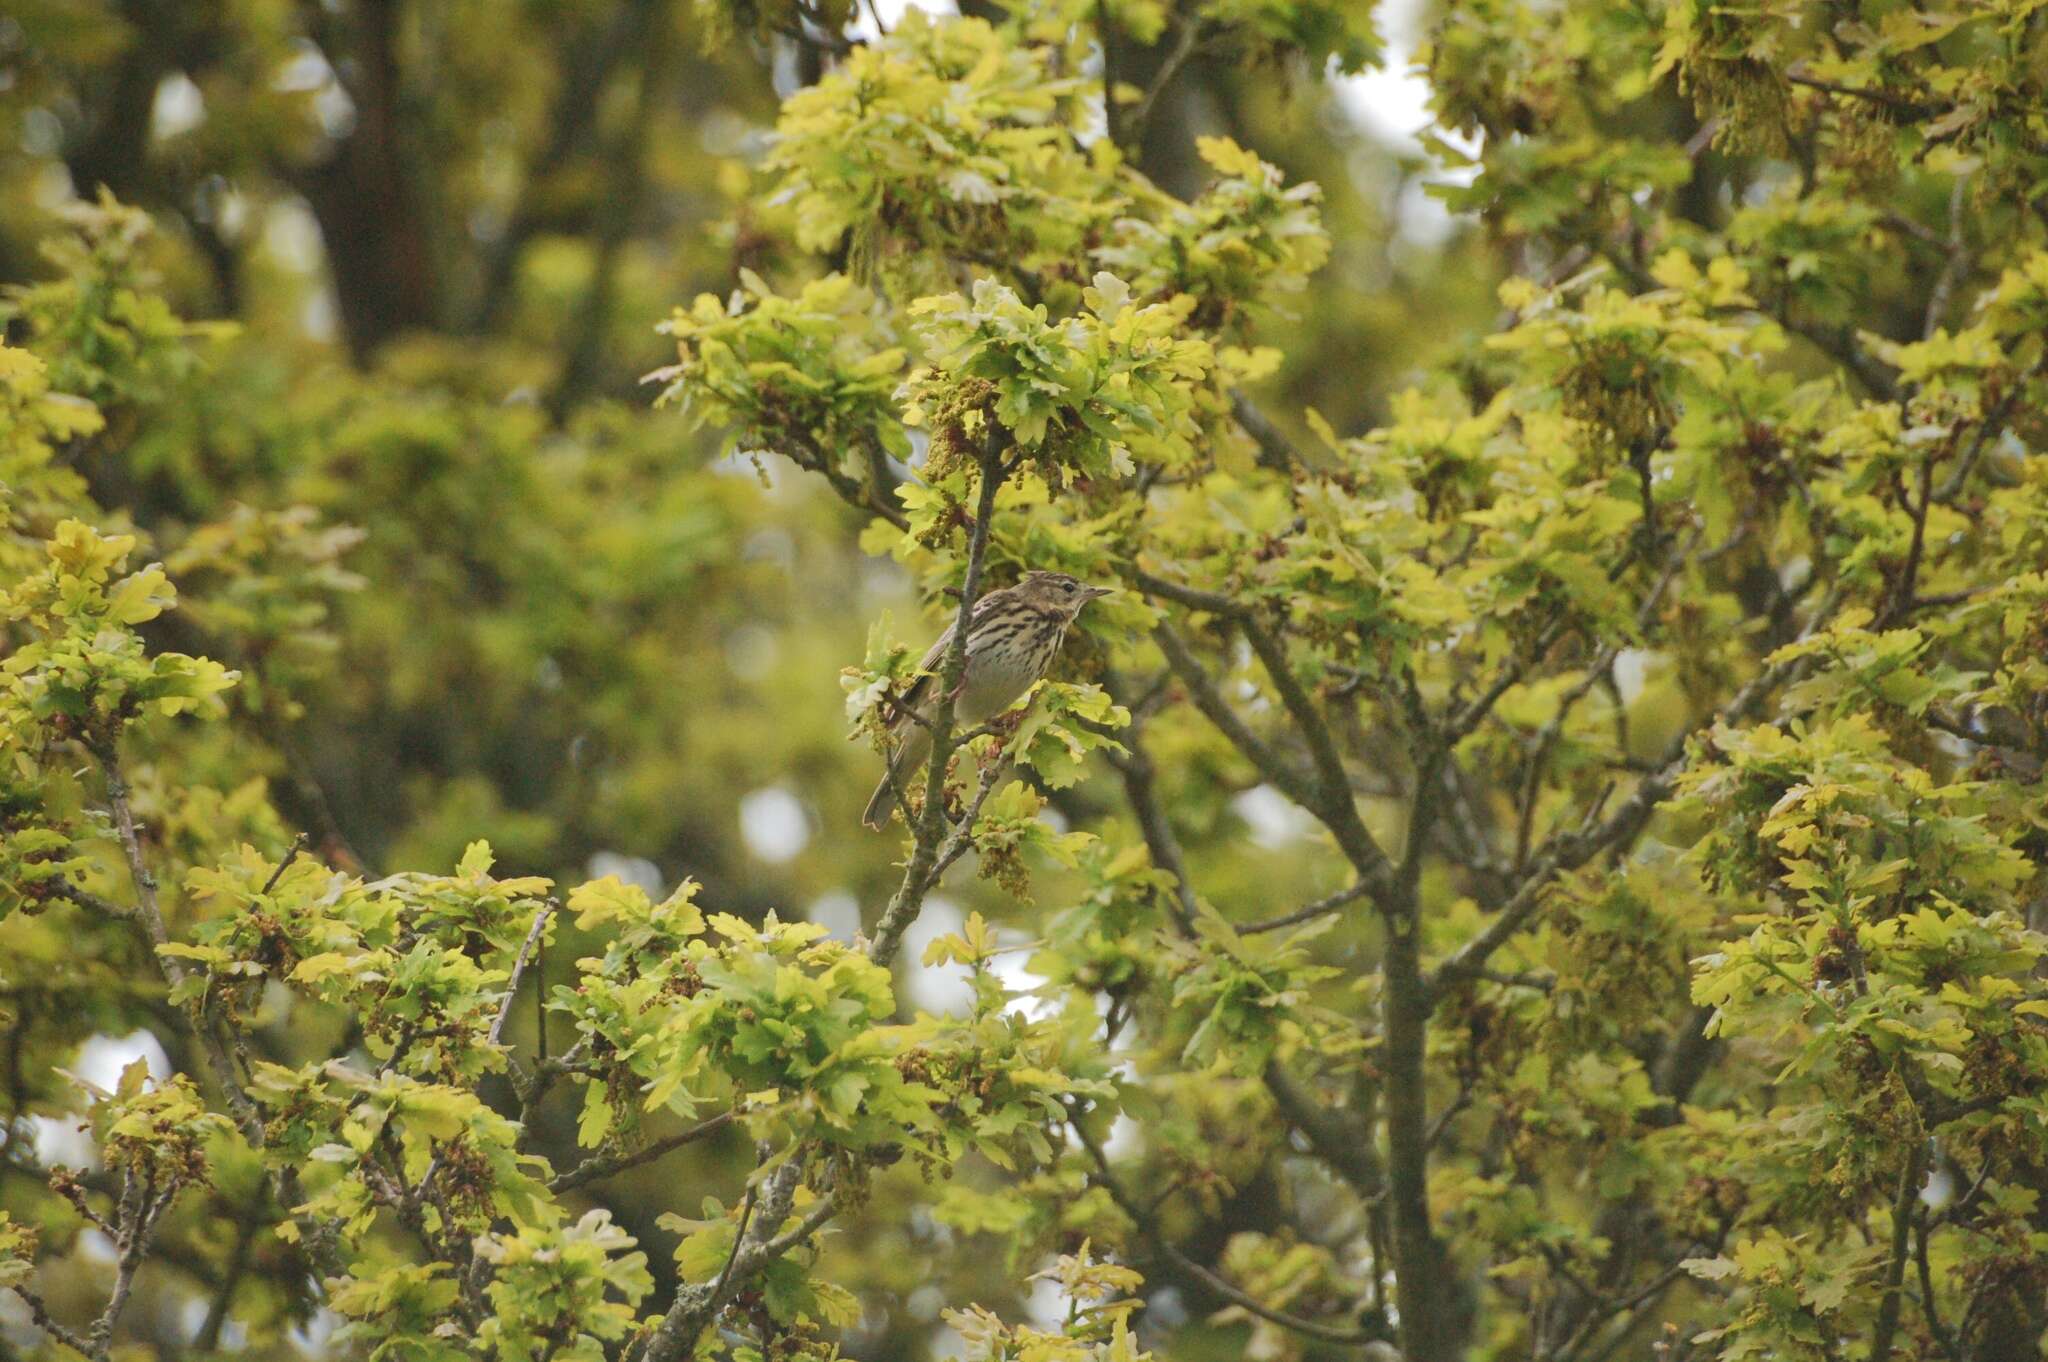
785 372
107 334
157 1134
90 674
1247 233
551 1289
948 136
1549 866
1082 397
17 1252
1100 1330
1063 725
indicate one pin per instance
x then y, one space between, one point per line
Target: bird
1012 637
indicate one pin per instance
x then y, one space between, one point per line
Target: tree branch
1340 1139
1275 451
1285 777
1146 1223
592 1169
1566 852
39 1315
1329 903
1956 255
1186 41
533 935
204 1030
1895 1263
1994 422
1903 105
695 1307
922 872
1427 1327
574 114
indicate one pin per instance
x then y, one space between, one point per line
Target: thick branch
1341 1139
929 830
1895 1263
204 1029
1421 1272
1275 451
695 1307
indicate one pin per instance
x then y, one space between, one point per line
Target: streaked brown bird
1012 637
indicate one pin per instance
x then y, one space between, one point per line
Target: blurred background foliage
523 605
367 347
446 233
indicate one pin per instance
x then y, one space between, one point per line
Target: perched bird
1012 638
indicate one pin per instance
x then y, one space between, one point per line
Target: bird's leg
1003 728
1005 724
954 796
898 711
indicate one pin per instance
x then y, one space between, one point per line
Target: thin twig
299 844
533 934
150 916
962 836
592 1169
1147 1226
1328 904
1568 851
1993 423
695 1308
1103 37
1907 582
1955 257
39 1315
1884 97
204 1030
86 899
1657 1287
1280 773
739 1238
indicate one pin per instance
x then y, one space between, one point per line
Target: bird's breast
1003 666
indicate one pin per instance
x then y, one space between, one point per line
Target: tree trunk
366 198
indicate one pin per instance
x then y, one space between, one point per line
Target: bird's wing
927 669
914 696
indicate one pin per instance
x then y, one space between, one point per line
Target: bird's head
1058 591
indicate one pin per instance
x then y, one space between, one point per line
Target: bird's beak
1096 591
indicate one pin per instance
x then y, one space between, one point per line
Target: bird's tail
901 763
883 800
